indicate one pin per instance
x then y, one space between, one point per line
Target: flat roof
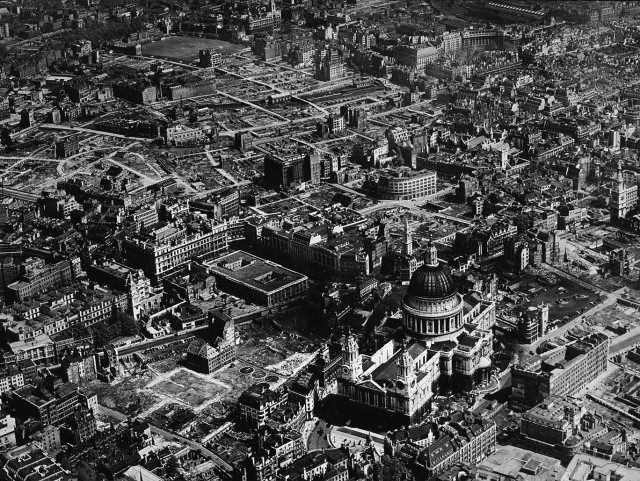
511 461
254 272
114 268
581 467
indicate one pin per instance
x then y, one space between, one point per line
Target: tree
391 469
175 322
127 325
523 222
119 324
509 46
5 138
171 468
358 155
102 334
63 459
85 472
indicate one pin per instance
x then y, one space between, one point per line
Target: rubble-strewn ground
169 393
188 388
127 395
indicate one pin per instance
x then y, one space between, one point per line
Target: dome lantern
431 256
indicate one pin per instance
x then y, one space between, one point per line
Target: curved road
218 461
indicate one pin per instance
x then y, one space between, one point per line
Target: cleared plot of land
267 349
125 396
190 389
186 48
615 315
165 366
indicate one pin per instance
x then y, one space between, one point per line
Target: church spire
408 240
619 178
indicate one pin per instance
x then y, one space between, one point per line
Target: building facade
397 380
158 254
405 184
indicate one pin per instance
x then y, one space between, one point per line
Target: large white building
458 327
449 349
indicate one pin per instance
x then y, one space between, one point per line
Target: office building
67 147
257 280
329 253
50 406
583 467
163 249
176 135
209 58
206 358
532 323
465 439
219 205
137 93
562 371
282 172
483 37
257 21
28 462
416 57
405 184
621 262
329 65
38 277
258 402
559 427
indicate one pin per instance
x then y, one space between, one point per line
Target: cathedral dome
431 282
432 307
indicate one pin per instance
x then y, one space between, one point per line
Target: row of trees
98 33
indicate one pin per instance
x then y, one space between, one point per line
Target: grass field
186 48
